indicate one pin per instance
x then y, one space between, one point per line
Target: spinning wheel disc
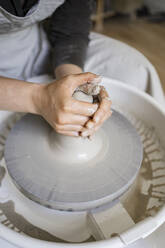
73 173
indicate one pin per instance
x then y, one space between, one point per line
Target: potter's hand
65 114
102 114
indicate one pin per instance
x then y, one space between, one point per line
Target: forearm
19 96
66 69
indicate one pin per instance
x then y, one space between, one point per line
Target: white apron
25 52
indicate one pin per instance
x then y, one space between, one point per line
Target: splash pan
73 173
144 198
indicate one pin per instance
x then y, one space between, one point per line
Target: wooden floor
147 37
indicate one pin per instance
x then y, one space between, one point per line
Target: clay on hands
64 113
91 88
100 95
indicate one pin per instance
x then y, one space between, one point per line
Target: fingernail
85 133
90 125
96 119
91 111
96 106
83 129
90 137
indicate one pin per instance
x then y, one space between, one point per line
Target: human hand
56 104
101 115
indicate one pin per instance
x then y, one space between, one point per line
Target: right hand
56 104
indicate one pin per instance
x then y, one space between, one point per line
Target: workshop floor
147 37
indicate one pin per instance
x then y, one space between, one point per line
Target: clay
91 89
139 200
81 96
73 173
88 92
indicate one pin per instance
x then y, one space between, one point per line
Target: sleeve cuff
69 53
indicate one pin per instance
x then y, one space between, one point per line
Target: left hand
102 114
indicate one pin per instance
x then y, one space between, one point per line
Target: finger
70 127
104 106
103 93
105 117
87 133
69 133
72 119
83 108
91 124
99 115
82 78
94 127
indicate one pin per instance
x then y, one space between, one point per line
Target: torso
18 7
40 11
24 46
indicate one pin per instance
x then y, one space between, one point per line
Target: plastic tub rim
24 241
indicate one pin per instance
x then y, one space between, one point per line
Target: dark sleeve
69 30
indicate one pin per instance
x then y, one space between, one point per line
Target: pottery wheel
67 173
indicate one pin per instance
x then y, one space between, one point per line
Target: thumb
82 78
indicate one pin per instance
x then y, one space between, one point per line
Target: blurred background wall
139 23
155 5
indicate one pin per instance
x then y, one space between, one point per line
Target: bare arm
53 101
20 96
17 95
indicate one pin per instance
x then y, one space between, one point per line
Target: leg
114 59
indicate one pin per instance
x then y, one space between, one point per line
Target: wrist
66 69
37 94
